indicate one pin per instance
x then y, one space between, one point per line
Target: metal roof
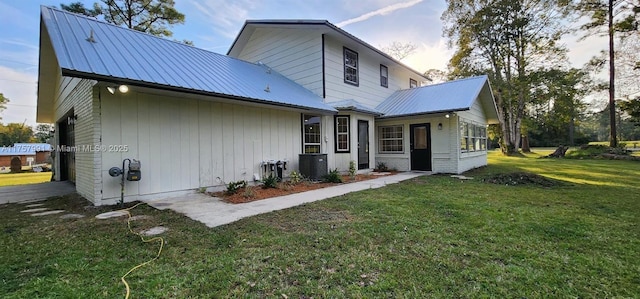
87 48
25 149
445 97
324 25
354 105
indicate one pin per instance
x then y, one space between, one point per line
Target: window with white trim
413 83
350 67
342 134
472 137
391 140
311 132
384 76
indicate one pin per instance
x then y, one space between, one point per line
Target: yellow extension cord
160 239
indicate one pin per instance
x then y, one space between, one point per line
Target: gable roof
90 49
353 105
452 96
322 26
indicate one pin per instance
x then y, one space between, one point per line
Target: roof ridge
452 81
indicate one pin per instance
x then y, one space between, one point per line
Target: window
413 83
391 139
311 138
384 76
464 137
350 67
342 134
472 137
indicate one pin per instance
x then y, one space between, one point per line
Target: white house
197 119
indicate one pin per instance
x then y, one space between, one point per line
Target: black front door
66 137
420 147
363 144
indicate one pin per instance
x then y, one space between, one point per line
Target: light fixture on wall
121 89
447 115
440 126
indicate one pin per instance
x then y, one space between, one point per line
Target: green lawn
431 237
629 144
9 179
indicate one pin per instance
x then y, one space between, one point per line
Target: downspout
324 90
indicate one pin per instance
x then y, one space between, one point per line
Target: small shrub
16 165
233 187
270 182
295 178
249 193
352 170
381 167
333 177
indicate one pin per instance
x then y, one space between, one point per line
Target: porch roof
452 96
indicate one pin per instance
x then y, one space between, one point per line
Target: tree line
539 96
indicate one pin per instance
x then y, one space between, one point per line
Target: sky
213 25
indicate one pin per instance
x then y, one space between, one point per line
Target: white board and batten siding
184 144
475 159
369 92
81 96
296 54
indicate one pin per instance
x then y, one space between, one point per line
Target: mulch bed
253 193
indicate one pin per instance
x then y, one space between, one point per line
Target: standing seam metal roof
450 96
127 56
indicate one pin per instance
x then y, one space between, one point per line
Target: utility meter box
313 166
134 173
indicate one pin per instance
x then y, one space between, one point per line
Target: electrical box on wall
134 173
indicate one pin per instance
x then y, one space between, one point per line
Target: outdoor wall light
447 115
440 126
121 88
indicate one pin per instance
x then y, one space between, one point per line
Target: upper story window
384 76
413 83
311 134
350 67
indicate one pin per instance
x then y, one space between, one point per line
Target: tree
15 133
609 17
436 76
632 108
43 133
508 40
399 50
3 103
150 16
556 106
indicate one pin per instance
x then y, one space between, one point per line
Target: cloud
224 16
380 12
430 56
21 90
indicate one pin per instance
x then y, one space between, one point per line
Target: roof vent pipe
90 38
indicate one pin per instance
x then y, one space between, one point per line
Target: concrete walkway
213 212
34 192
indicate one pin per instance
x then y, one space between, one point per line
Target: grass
10 179
628 144
430 237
